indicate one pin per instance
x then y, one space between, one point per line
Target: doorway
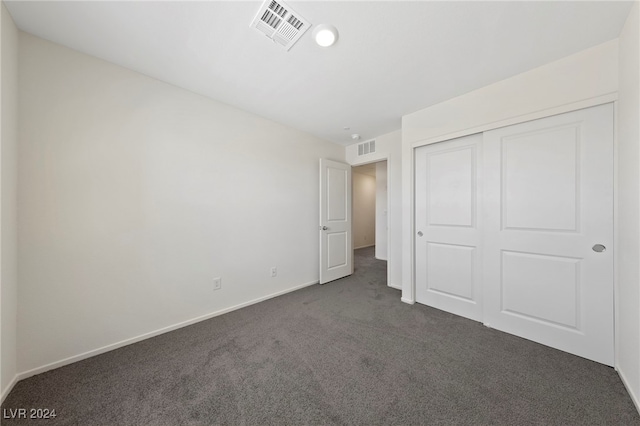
370 209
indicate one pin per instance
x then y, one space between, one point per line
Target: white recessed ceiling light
325 35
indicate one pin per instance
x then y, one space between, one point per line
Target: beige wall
628 247
364 210
135 194
8 201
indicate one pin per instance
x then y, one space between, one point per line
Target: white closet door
447 203
548 214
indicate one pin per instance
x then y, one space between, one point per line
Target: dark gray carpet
348 352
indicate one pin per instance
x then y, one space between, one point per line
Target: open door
336 249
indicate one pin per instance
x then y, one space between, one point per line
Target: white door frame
372 161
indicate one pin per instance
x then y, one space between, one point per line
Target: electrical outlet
274 271
217 283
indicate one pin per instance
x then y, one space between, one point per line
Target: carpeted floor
348 352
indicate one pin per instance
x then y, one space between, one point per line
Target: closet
514 228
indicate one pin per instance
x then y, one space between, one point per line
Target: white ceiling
392 58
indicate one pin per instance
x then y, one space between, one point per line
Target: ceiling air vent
280 23
368 147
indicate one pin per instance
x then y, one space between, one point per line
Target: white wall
381 210
579 77
8 201
584 79
628 277
364 210
388 147
134 194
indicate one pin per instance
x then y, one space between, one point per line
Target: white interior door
336 249
447 206
548 205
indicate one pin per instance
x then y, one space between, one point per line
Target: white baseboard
8 389
633 396
397 287
408 301
107 348
370 245
380 258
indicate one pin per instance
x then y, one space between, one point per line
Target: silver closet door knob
599 248
420 234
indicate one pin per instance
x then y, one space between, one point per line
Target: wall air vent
280 23
368 147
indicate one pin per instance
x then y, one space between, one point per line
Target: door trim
574 106
385 157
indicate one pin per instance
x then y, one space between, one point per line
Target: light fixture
325 35
355 137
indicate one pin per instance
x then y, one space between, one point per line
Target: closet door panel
548 211
448 260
